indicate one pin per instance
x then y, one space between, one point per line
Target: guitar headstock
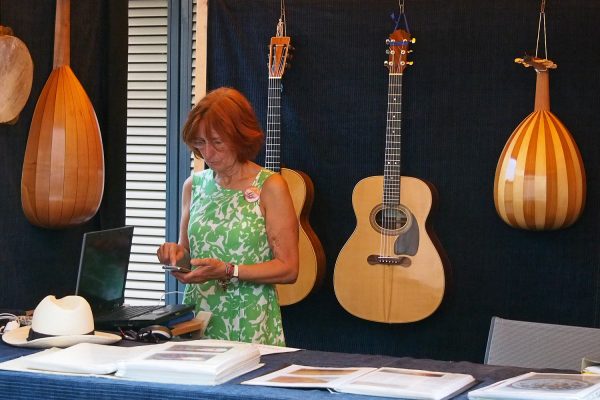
398 51
279 50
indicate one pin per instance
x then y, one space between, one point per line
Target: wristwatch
236 273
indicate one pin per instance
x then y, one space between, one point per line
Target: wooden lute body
390 269
63 169
16 76
311 254
540 177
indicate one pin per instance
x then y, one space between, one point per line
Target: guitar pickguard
408 241
397 221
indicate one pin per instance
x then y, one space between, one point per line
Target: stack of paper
197 362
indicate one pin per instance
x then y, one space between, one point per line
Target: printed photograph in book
386 381
538 386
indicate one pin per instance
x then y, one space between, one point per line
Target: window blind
147 144
146 147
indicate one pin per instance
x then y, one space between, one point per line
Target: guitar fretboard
273 139
391 175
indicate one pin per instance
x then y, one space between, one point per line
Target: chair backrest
540 345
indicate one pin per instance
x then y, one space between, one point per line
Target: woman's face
216 152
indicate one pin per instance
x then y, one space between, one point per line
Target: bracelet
229 268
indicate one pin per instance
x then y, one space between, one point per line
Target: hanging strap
281 25
542 20
400 18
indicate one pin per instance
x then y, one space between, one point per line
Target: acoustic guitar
311 254
390 270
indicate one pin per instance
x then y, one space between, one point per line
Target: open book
388 382
546 386
197 362
590 366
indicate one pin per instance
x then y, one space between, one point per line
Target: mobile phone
175 268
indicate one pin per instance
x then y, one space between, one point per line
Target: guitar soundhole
390 221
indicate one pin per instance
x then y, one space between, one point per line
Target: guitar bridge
402 261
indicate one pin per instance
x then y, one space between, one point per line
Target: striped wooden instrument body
540 177
310 251
63 170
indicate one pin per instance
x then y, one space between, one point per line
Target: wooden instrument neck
62 34
391 171
542 91
273 139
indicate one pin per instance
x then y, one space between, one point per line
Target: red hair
228 113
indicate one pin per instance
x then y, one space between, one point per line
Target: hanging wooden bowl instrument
63 169
540 177
16 76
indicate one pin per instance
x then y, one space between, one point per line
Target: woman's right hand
173 254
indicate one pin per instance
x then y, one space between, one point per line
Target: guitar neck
392 173
273 139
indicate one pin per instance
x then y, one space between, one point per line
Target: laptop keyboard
129 312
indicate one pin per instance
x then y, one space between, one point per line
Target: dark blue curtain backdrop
462 98
35 262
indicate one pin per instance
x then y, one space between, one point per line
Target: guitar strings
392 182
273 124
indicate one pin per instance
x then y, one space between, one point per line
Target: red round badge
252 194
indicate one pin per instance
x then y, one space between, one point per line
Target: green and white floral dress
226 226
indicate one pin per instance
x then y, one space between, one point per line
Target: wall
462 98
35 262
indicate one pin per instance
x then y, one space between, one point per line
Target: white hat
59 323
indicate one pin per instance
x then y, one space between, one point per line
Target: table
28 385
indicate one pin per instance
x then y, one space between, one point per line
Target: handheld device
175 268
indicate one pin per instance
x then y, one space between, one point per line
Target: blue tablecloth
28 385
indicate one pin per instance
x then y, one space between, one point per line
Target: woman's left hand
203 269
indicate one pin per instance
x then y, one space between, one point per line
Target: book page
83 358
197 361
407 383
542 386
298 376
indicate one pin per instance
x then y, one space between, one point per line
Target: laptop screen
103 267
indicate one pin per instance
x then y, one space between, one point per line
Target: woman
239 231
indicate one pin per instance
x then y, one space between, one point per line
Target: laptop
101 281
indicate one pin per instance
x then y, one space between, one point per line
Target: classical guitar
311 255
390 269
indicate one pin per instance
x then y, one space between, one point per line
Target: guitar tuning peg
413 40
386 63
387 51
409 62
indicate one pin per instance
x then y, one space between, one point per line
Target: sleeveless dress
224 225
